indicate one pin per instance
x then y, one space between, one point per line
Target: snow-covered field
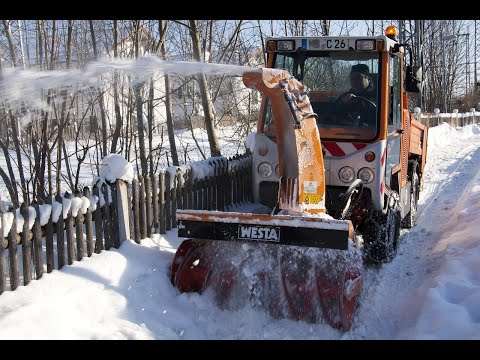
431 290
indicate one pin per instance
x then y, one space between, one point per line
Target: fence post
98 222
106 218
190 189
173 199
50 254
219 190
156 223
88 223
79 230
26 245
136 210
168 201
37 243
69 227
12 253
2 251
148 206
195 189
122 210
60 235
114 221
143 215
161 200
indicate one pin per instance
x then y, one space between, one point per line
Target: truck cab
374 139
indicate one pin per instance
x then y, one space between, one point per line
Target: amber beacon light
391 32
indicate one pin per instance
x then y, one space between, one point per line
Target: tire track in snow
392 296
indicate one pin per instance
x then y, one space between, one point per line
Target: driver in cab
362 93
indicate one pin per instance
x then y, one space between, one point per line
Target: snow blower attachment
297 261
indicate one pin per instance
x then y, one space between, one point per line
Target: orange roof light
391 32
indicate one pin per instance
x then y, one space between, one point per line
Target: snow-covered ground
431 290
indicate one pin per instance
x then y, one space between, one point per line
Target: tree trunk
94 40
16 141
326 27
141 131
168 97
40 43
9 180
69 43
150 126
11 46
52 53
100 93
206 100
118 116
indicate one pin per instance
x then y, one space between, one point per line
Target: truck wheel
380 234
411 218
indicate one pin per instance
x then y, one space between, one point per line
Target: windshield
343 90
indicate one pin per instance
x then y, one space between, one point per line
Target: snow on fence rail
454 119
103 217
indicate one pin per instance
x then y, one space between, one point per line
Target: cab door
394 129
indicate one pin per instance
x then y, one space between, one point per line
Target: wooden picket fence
136 211
155 204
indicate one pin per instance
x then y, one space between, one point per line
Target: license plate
259 232
329 44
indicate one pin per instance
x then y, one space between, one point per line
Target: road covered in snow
431 290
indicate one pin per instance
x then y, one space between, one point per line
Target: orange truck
337 167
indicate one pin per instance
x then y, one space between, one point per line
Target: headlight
265 169
365 44
346 174
285 45
366 175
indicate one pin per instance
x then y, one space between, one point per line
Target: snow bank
450 308
114 166
443 134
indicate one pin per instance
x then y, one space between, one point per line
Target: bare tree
11 46
204 91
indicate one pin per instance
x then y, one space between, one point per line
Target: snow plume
26 85
115 167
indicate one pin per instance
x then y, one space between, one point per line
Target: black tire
411 218
350 199
380 234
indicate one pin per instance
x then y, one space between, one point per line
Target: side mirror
413 79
